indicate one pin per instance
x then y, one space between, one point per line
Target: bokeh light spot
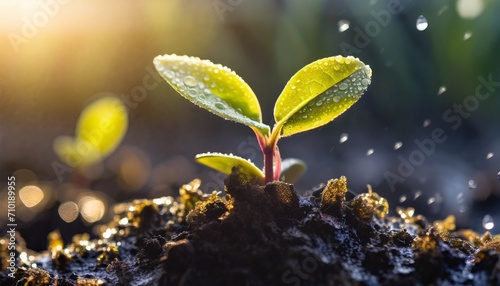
31 195
68 211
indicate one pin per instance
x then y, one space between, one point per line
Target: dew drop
170 74
293 87
398 145
319 103
213 85
190 81
369 152
343 137
206 78
441 89
472 184
489 156
422 23
343 86
365 82
336 98
220 105
343 25
488 223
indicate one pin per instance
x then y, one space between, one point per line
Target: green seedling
314 96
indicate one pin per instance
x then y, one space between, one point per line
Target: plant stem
268 163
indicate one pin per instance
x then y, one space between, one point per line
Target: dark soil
265 235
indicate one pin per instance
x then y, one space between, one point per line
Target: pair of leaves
314 96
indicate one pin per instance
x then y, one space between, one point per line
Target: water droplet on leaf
190 81
220 105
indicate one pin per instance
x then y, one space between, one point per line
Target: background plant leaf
292 169
213 87
225 163
320 92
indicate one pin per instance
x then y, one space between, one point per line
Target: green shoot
314 96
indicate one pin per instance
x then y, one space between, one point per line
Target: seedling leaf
214 87
225 163
320 92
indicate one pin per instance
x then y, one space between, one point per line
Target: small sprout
100 129
314 96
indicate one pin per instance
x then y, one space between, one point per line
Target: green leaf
225 163
320 92
213 87
292 169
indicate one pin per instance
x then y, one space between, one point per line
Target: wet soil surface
263 235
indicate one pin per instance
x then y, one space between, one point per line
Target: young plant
314 96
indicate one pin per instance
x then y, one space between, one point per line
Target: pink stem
277 167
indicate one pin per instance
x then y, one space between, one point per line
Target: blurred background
435 70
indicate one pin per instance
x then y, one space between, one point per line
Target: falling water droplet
427 122
369 152
431 200
472 184
343 137
489 156
402 198
422 23
417 195
343 25
398 145
488 223
498 176
190 81
467 35
441 89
